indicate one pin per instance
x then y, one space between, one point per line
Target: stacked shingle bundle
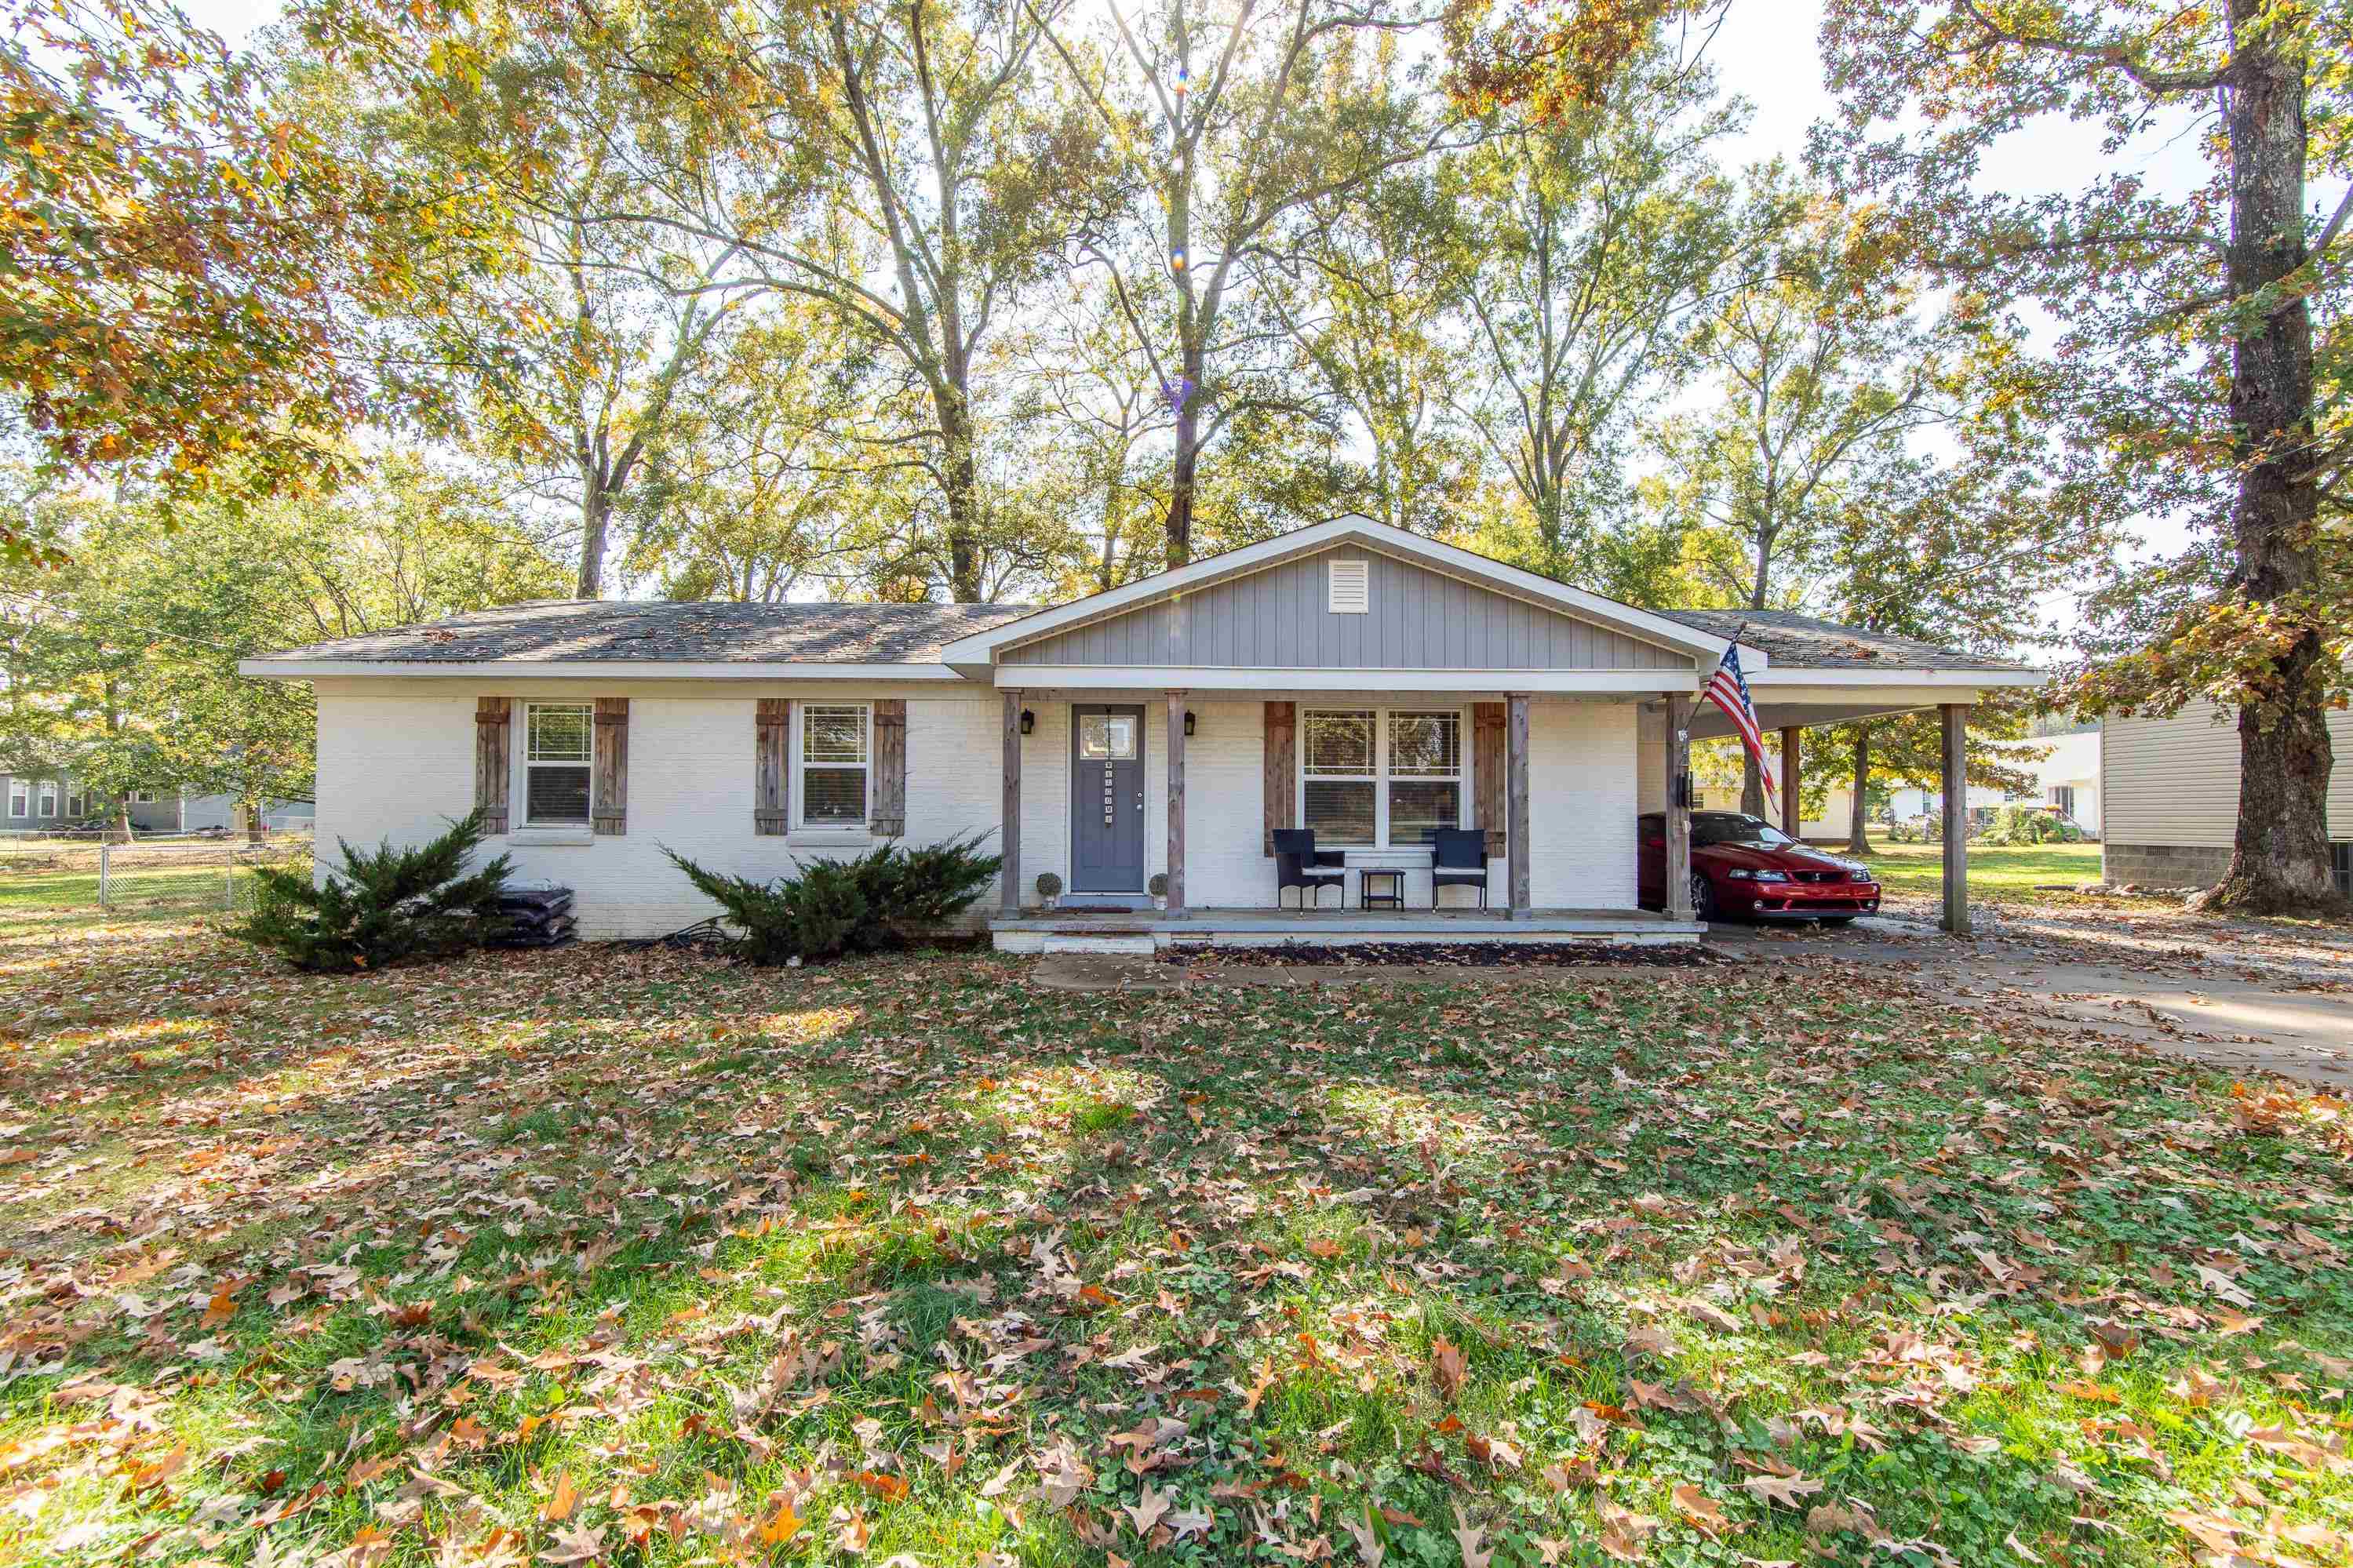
536 918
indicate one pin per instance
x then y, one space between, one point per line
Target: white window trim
77 800
48 799
20 798
523 829
1380 778
806 830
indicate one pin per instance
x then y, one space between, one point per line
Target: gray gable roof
552 631
565 630
1789 638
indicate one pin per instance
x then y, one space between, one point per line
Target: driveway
2245 995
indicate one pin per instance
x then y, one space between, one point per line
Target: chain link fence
145 879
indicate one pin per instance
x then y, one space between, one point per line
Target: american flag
1728 689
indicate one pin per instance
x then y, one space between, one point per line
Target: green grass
53 885
2009 874
742 1263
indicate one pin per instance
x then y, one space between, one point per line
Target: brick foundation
2166 865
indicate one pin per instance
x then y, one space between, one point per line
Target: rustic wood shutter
888 816
612 812
1488 768
772 730
494 761
1282 769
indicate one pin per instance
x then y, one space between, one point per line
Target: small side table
1392 878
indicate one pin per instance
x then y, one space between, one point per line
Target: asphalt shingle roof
564 630
661 631
1789 638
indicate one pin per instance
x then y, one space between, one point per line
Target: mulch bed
1461 954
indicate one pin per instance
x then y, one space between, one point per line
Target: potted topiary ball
1159 890
1050 888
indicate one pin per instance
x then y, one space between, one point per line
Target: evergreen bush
387 905
861 905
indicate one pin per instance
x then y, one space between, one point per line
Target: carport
1818 673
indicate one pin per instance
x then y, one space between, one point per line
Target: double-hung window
836 748
1380 778
49 798
75 800
20 797
558 762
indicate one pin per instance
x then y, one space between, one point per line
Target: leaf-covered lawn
641 1259
2005 874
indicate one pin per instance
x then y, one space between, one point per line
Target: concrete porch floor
1146 930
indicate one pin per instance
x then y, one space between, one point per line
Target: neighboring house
29 804
2067 776
153 811
2170 795
1350 678
44 804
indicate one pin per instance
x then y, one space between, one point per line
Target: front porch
1151 931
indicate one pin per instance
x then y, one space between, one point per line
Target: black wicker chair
1458 860
1298 865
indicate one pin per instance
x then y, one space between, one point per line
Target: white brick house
1348 678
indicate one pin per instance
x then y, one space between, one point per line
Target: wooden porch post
1791 747
1175 747
1678 868
1009 833
1515 772
1957 816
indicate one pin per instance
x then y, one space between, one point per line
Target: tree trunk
596 518
2279 858
963 499
1751 786
1181 480
1858 837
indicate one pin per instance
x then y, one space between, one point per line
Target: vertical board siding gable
1280 618
611 816
772 727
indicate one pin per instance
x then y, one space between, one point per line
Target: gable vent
1351 587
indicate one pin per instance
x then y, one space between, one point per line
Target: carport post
1792 817
1957 816
1678 868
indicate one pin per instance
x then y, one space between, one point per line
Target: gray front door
1106 800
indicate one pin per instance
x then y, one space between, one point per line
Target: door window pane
1341 812
1107 737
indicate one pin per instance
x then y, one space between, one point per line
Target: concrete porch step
1100 943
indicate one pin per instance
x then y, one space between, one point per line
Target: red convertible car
1743 866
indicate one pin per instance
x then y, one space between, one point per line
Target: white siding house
1392 695
2170 795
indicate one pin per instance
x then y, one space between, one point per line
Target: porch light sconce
1189 723
1029 721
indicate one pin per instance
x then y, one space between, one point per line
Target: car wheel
1703 898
